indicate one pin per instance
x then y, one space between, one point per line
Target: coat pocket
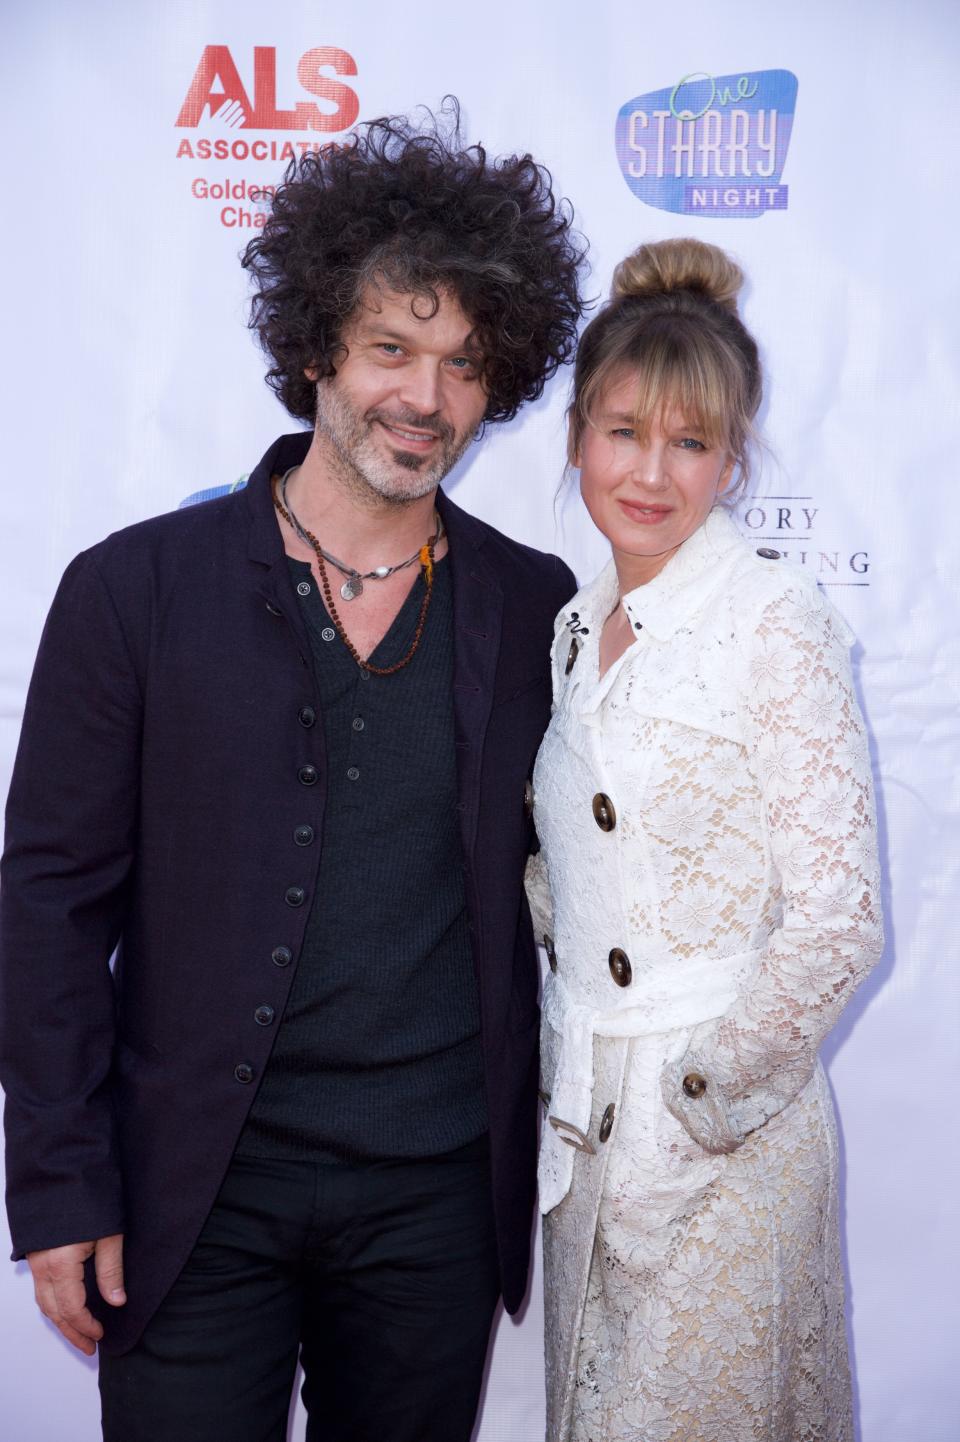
655 1157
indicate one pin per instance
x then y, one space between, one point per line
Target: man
277 751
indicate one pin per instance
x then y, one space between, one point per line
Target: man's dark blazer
152 809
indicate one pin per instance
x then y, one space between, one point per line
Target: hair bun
670 265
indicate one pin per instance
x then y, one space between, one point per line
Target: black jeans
383 1278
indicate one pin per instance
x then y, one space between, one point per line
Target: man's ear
311 373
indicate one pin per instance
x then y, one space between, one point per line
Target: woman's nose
650 468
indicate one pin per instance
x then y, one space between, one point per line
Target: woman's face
646 496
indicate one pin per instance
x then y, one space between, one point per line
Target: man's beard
398 476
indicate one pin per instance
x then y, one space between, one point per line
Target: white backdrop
130 383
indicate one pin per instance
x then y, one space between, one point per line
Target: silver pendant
351 588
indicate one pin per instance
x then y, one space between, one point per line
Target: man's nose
420 388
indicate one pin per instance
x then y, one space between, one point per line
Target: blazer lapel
477 622
265 543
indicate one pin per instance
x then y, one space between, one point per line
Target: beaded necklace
425 557
353 585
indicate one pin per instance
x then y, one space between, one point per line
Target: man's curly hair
413 210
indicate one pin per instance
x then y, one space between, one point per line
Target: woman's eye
623 432
690 443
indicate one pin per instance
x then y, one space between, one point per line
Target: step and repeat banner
817 142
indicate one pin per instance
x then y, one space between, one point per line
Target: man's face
407 398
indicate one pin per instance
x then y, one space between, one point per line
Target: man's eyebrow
369 328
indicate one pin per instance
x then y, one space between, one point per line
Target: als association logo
710 145
260 121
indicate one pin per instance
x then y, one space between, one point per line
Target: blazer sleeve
807 747
71 821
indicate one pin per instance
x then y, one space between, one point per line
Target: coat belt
691 993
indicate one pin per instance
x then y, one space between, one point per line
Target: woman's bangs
679 389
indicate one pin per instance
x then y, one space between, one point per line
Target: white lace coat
693 1281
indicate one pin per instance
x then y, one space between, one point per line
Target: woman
708 859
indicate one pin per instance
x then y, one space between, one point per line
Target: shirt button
358 723
604 813
572 656
264 1015
620 968
694 1085
309 775
549 949
303 588
353 773
606 1123
364 674
306 716
281 956
768 554
294 896
328 633
243 1072
528 797
303 835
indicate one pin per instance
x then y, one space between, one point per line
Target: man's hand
61 1295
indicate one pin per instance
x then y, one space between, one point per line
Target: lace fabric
692 1260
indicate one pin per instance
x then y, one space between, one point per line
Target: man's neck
350 519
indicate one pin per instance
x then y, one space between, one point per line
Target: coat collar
673 597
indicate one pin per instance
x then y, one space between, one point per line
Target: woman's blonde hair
672 323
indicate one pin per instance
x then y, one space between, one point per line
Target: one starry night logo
711 145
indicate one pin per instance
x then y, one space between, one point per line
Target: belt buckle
572 1135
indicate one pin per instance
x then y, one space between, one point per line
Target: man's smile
421 440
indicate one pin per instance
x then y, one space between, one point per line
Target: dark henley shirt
378 1052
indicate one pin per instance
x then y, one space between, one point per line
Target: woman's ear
726 475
